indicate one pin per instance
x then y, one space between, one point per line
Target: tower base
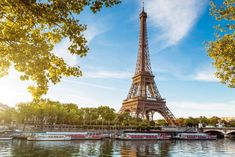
145 109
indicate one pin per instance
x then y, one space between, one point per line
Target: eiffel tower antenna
144 99
143 5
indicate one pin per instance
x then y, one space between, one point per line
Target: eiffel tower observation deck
144 99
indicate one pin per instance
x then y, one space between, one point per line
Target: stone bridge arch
218 132
230 132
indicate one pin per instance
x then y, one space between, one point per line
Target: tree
203 120
7 115
162 122
223 48
106 113
190 121
45 111
181 121
29 29
25 112
231 123
123 118
214 120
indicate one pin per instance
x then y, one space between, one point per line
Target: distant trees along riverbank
53 112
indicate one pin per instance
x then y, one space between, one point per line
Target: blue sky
177 32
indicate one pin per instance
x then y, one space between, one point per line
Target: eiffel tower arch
144 99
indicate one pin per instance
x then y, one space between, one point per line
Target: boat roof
65 133
154 131
141 133
192 133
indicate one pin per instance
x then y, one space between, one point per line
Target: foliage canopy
222 50
54 112
50 112
29 30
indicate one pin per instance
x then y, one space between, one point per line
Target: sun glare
12 90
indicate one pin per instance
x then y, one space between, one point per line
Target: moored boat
21 135
195 136
79 135
5 136
143 136
45 137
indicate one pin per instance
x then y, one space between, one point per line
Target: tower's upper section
143 61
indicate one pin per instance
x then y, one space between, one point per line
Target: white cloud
93 30
202 73
91 84
174 18
233 101
108 74
205 73
196 109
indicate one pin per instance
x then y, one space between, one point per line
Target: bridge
221 131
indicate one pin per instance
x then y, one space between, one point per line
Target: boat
143 136
195 136
79 135
45 137
106 135
5 136
21 135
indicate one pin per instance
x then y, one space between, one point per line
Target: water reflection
42 148
106 148
143 148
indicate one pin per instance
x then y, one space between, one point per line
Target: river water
106 148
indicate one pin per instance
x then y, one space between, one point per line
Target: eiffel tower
144 99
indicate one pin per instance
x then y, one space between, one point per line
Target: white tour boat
46 137
5 136
195 136
143 136
79 135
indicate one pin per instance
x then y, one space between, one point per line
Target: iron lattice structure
144 99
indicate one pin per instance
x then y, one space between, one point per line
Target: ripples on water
23 148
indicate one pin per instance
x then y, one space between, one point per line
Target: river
106 148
